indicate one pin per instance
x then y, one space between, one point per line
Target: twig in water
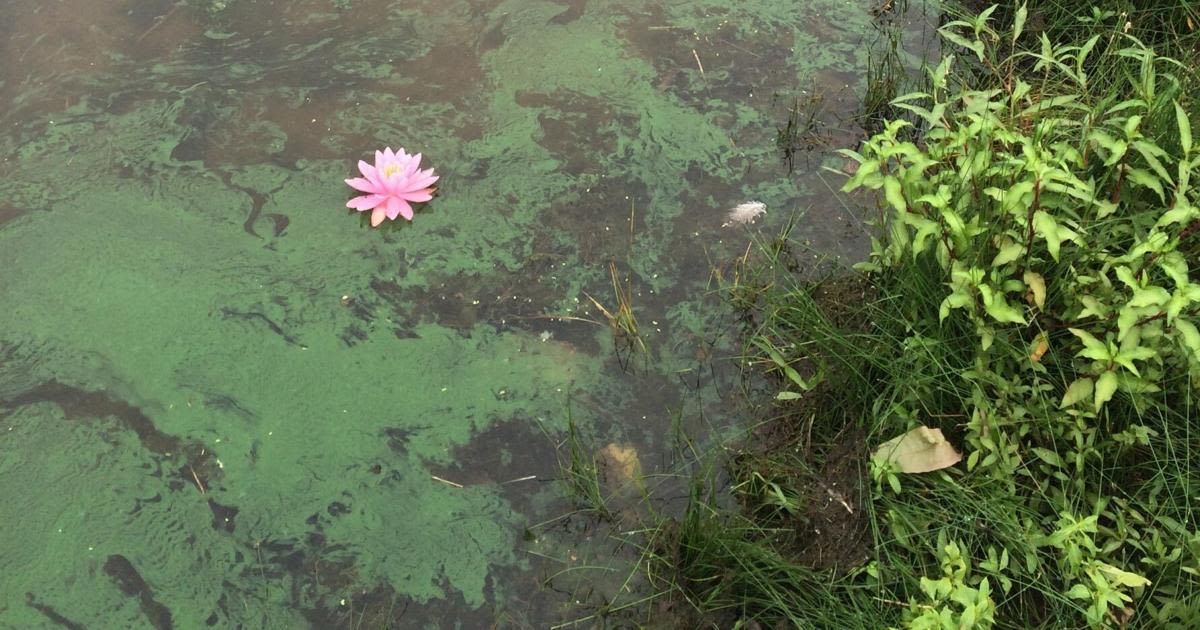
446 481
698 64
199 484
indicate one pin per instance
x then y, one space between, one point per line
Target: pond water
224 402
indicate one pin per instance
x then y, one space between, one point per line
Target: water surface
225 403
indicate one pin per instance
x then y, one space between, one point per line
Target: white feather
745 213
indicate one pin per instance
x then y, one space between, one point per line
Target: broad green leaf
958 227
894 194
1045 226
1114 148
1092 348
1106 386
1149 296
1188 336
1019 25
1077 391
1147 179
1182 212
1127 104
987 336
1185 128
1092 308
1179 301
1151 153
1048 456
866 175
1018 197
957 299
1127 317
1176 267
940 73
1125 274
999 308
1127 357
1037 286
1007 254
1079 591
1084 51
1104 207
1131 126
974 46
1123 578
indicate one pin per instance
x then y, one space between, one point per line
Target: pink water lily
392 184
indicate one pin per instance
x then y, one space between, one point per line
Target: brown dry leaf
1040 346
920 450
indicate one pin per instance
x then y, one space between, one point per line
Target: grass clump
1032 293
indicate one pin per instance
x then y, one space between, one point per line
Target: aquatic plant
392 184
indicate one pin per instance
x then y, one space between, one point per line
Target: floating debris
745 213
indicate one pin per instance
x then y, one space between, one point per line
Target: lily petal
412 165
369 172
359 183
377 216
365 202
397 206
417 196
417 184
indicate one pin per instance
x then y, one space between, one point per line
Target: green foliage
956 601
1057 221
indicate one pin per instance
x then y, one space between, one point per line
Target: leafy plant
1056 221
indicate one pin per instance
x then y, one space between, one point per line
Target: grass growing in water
621 318
1031 294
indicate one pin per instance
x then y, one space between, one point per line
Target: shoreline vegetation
1032 294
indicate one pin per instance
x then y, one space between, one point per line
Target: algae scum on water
224 402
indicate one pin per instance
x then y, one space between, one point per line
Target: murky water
225 403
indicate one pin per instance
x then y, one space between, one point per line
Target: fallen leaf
1040 346
920 450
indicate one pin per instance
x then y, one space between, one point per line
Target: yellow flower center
392 169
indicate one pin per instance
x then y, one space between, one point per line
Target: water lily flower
393 183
